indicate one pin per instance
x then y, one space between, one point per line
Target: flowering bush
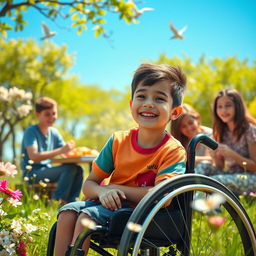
17 227
15 105
7 169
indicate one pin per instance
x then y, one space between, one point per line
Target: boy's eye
160 99
140 96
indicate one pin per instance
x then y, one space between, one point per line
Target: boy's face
47 117
151 106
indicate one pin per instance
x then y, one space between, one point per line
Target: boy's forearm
92 190
40 156
133 194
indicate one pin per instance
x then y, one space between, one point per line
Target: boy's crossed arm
110 196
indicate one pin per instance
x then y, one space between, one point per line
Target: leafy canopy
81 13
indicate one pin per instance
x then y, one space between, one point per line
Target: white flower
30 228
16 226
209 204
88 223
37 210
36 197
24 110
28 167
42 184
134 227
2 213
30 161
26 178
3 94
14 202
16 94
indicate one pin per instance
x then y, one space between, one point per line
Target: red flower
21 249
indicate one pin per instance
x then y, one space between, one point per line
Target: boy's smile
47 117
151 106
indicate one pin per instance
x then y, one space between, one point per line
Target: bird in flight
139 12
46 31
177 33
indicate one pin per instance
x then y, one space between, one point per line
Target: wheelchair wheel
178 229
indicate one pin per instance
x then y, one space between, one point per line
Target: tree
30 67
26 65
15 105
207 76
81 13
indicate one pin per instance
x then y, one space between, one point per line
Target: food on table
82 151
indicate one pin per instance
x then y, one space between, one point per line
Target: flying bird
46 31
139 12
177 34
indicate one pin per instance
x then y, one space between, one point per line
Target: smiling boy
40 143
136 160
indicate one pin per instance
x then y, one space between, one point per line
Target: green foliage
207 76
80 13
87 113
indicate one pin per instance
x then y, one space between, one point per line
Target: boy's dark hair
150 74
45 103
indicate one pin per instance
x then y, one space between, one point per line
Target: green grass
40 239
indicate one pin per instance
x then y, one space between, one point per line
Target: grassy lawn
47 216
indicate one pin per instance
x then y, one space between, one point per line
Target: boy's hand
68 146
111 198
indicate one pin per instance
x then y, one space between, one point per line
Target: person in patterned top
235 130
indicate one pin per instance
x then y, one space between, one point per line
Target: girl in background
235 158
186 127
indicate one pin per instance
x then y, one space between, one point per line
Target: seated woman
235 159
189 125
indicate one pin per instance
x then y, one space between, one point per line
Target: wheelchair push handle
204 139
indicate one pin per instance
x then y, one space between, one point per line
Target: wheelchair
174 228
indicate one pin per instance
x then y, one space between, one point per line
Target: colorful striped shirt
129 164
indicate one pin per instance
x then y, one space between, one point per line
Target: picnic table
75 160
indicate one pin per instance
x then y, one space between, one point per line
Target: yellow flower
36 197
26 178
30 161
29 167
42 184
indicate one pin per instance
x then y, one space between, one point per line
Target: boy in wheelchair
136 159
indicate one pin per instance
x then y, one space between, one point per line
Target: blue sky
216 28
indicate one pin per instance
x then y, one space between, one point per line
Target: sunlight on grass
49 207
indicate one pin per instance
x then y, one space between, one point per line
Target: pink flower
15 194
7 169
252 194
216 221
3 186
21 249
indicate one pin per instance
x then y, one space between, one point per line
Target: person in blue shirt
40 143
